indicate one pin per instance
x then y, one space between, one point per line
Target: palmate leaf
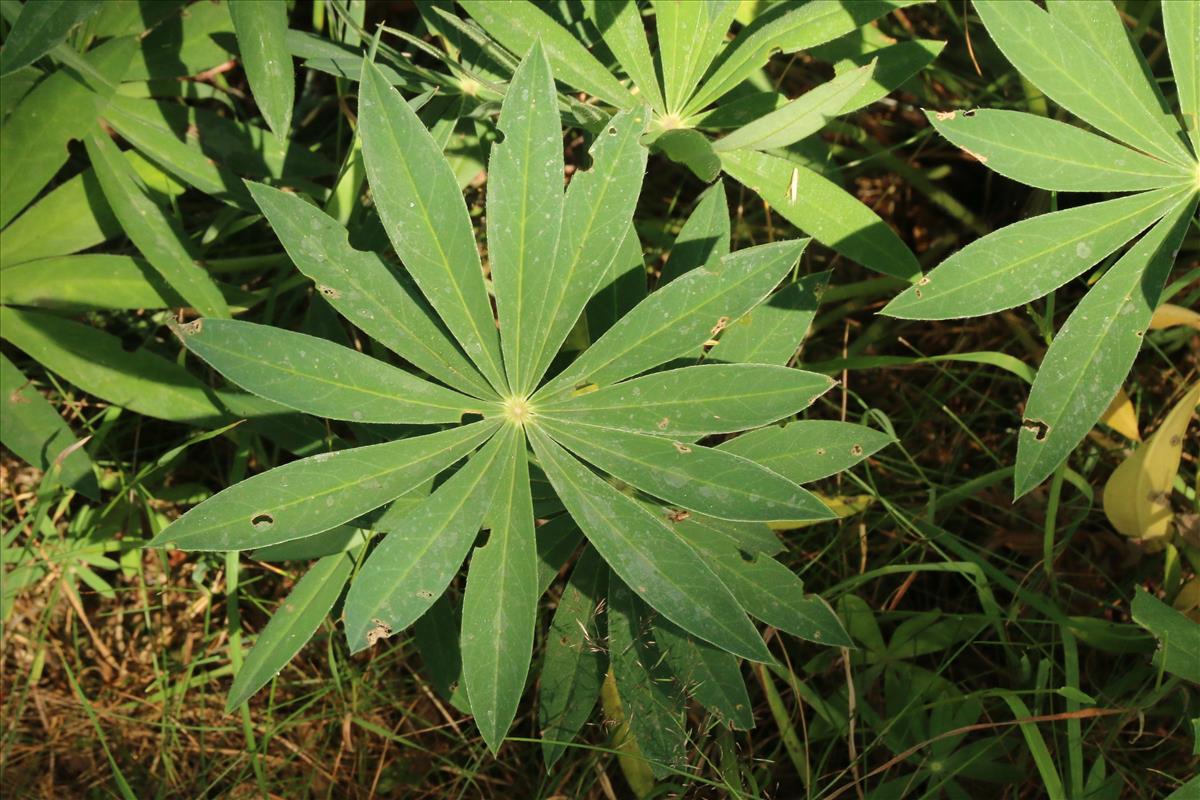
1056 49
697 70
585 441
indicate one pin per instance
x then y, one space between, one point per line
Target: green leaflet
784 28
1181 22
597 216
1064 66
318 493
140 123
894 64
261 34
1178 636
767 589
426 219
692 149
525 208
1030 258
158 236
41 27
436 634
690 35
576 659
809 449
704 238
800 118
501 599
384 303
33 429
1099 24
97 281
196 38
696 478
824 210
663 570
620 23
520 23
557 541
62 107
1049 154
293 624
708 674
772 332
97 363
318 376
623 287
1092 353
691 309
695 401
341 539
417 558
652 699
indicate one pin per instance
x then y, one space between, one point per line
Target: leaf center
518 410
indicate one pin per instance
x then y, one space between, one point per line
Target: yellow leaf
1168 316
634 765
1121 417
843 506
1137 495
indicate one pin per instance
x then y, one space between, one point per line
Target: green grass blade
501 600
418 199
773 332
576 659
319 377
1049 154
1042 759
823 210
695 401
800 118
1071 73
596 219
384 303
784 28
295 621
524 210
158 235
697 478
620 24
318 493
1089 358
768 590
261 29
1181 22
40 27
809 449
33 429
421 554
678 319
652 699
518 24
664 571
704 238
1030 258
710 675
61 108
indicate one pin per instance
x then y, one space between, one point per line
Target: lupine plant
707 113
1078 54
673 525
